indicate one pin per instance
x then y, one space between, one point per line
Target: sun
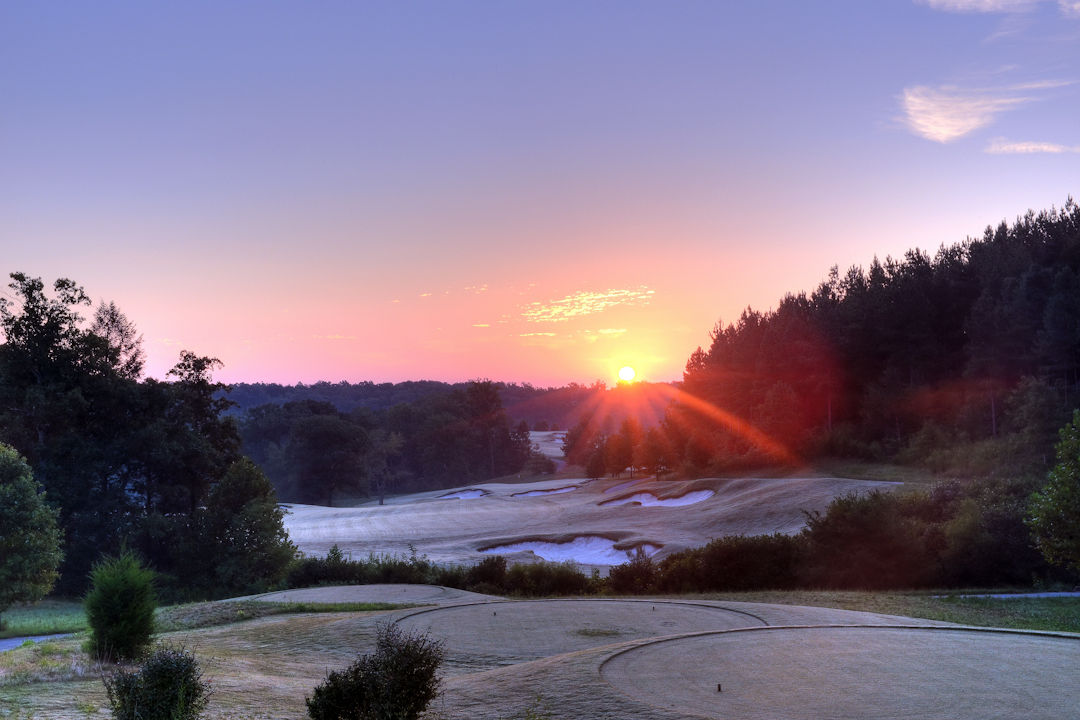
627 374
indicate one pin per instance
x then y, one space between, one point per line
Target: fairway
456 525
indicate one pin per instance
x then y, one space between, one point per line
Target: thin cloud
584 303
948 113
990 6
1002 147
481 325
1071 8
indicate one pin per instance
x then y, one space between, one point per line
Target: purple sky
534 192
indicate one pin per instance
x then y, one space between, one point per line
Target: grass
912 477
49 661
597 632
48 617
1060 614
264 665
211 614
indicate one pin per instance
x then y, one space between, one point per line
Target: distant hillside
343 395
559 406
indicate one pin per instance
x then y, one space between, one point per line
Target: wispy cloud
481 325
948 113
537 335
584 303
1068 7
1000 146
334 337
991 6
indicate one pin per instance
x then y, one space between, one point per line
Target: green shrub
873 541
120 607
396 682
546 578
169 686
491 572
755 562
637 575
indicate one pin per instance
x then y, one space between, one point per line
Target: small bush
637 575
120 607
169 686
396 682
491 571
541 579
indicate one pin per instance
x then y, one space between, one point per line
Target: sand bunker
452 531
650 500
463 495
585 550
538 493
497 634
855 672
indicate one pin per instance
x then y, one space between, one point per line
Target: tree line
965 362
131 462
315 453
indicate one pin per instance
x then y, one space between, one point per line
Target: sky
527 192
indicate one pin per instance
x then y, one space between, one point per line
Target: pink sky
366 192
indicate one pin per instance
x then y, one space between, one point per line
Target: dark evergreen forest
964 361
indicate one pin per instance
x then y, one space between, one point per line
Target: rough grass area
59 660
912 477
210 614
597 632
48 617
1061 614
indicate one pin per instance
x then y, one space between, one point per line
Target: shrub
491 571
867 542
755 562
546 578
120 607
635 576
396 682
169 686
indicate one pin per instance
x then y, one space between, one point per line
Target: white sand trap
453 531
391 593
856 673
588 550
495 634
538 493
650 500
463 495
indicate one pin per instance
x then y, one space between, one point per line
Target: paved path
1010 596
11 643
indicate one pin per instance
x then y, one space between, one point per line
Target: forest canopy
964 361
